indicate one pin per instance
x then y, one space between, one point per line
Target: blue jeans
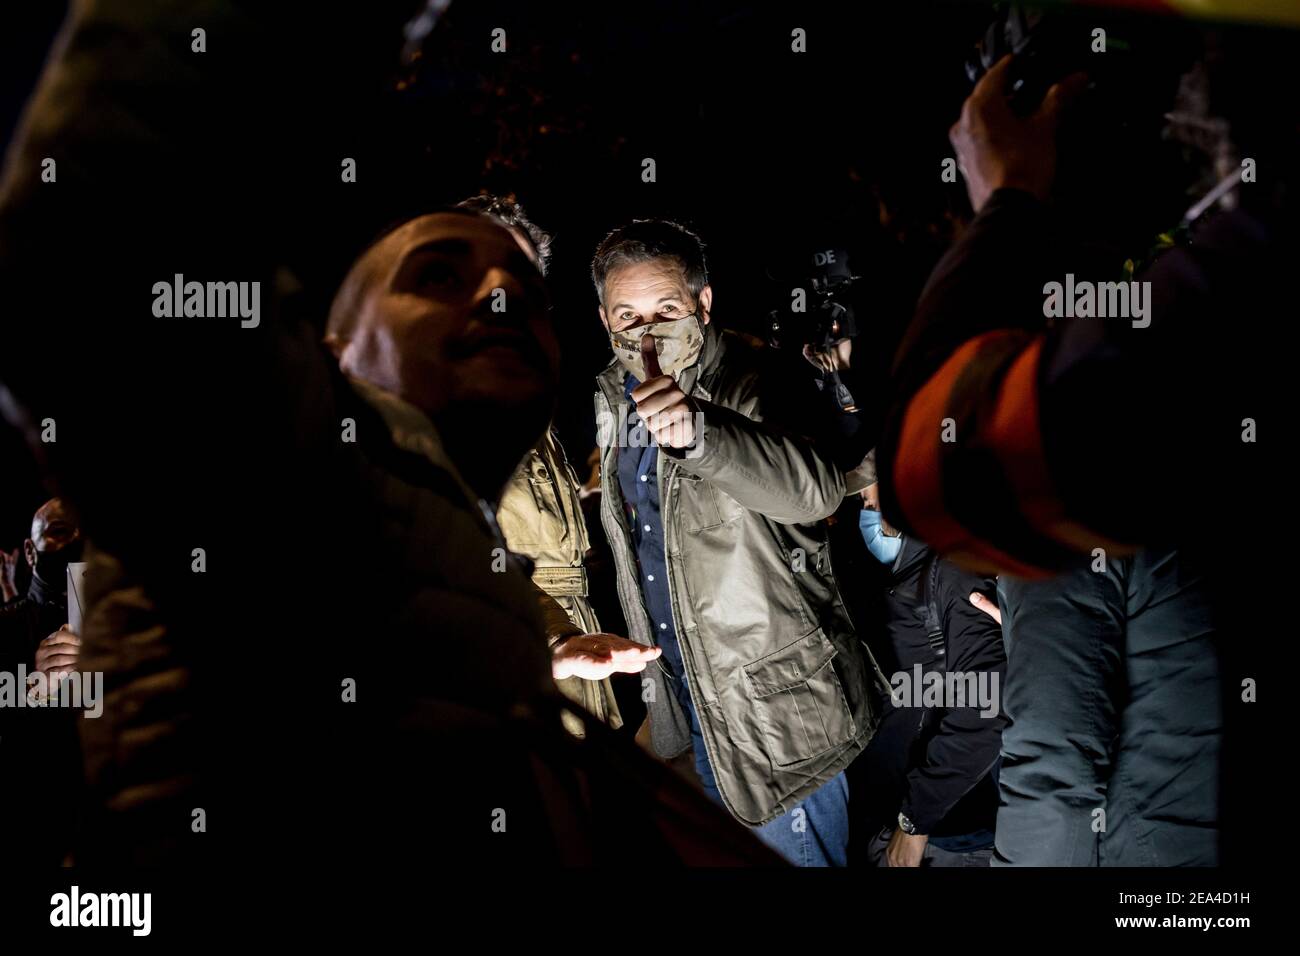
814 833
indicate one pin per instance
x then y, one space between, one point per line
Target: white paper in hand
76 594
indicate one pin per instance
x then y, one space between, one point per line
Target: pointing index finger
650 357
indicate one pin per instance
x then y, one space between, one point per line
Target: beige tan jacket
540 517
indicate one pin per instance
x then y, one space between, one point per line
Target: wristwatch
906 825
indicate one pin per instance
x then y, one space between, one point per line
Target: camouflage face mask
677 346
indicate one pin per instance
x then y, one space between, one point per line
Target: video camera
1044 50
1046 46
816 308
823 315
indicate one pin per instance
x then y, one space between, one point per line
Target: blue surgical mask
884 548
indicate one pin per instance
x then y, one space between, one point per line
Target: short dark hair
508 212
644 240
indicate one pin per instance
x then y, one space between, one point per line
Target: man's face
426 328
53 529
645 292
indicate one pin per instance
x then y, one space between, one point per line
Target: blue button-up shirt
638 479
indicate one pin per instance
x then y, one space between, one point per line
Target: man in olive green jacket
714 512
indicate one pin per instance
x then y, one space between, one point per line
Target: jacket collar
412 431
42 594
911 555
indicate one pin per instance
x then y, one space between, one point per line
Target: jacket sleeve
968 739
1000 414
555 619
783 476
1064 678
964 414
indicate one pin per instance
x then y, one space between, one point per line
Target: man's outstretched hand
596 656
997 149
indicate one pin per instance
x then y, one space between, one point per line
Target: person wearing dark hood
931 768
